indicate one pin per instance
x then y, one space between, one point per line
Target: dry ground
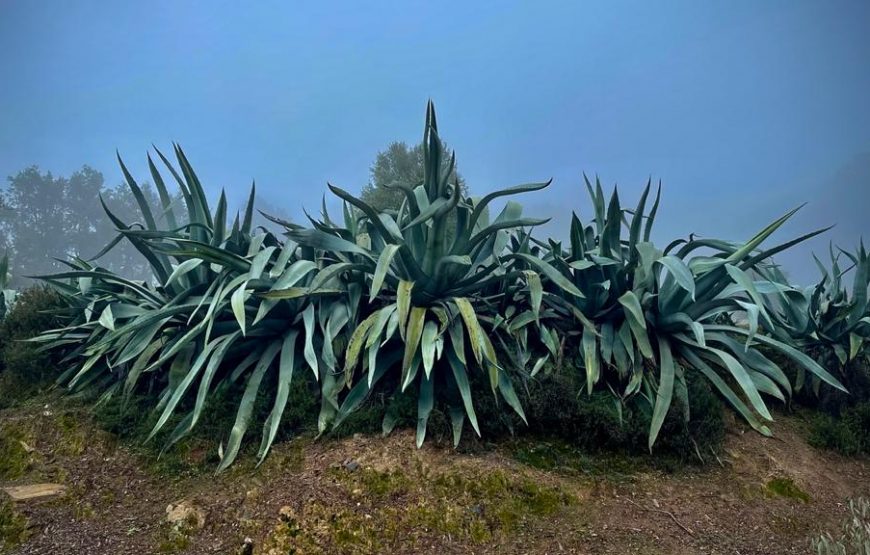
376 495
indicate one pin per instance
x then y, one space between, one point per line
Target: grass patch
785 487
396 511
13 526
15 459
560 456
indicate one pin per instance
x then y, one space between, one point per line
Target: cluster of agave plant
435 298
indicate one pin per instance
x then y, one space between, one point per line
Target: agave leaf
412 340
536 291
107 319
308 350
472 326
403 302
427 346
425 403
551 273
237 301
246 406
590 360
637 322
182 269
681 273
506 389
725 390
384 260
355 344
286 366
667 371
799 357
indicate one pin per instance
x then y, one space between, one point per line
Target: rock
287 514
34 491
247 547
351 466
184 515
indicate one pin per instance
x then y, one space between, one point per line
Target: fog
742 110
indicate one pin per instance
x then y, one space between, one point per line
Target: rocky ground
381 495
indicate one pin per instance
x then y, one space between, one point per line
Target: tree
44 218
400 163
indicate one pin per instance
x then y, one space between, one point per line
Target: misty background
743 110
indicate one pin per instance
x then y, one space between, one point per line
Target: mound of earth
382 495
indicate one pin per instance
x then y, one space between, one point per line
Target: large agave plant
657 314
205 322
429 300
826 320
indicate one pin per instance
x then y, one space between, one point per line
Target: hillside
381 495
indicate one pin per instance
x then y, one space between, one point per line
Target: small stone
34 491
351 466
184 515
247 547
287 514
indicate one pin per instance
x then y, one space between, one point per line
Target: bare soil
382 495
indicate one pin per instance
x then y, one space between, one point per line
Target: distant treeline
44 217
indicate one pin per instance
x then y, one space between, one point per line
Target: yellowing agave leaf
403 302
355 344
475 333
412 340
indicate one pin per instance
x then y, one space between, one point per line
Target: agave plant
206 321
7 296
429 299
656 315
826 320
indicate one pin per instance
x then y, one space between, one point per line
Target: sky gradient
742 109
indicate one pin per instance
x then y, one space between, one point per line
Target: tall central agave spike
435 298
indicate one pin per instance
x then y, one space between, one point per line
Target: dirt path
374 495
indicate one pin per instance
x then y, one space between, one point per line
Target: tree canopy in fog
44 217
400 164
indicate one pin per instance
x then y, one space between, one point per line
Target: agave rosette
432 296
207 321
657 314
827 320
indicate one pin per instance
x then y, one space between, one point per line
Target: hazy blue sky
742 109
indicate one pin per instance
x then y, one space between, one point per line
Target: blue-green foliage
434 298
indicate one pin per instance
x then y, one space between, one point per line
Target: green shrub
23 369
132 419
13 526
598 423
847 433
